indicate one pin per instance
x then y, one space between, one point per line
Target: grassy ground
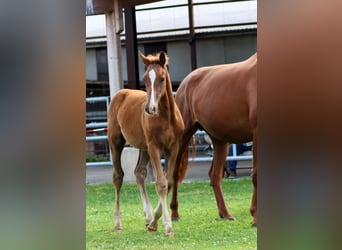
200 227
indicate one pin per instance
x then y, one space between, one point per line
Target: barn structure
193 33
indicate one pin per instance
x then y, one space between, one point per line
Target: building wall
210 51
225 49
91 69
180 61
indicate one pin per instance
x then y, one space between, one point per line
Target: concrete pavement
198 171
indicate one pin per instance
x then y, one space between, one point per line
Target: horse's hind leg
141 173
215 174
117 144
253 208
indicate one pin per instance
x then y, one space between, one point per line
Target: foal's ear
144 59
162 58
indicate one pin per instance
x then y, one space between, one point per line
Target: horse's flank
222 100
224 79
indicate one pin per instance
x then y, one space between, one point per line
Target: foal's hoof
175 219
254 224
151 229
118 228
170 233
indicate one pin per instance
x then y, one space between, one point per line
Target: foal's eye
162 79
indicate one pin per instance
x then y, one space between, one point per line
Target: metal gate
98 122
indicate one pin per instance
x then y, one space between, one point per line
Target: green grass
96 158
199 227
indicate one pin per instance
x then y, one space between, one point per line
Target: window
152 48
102 64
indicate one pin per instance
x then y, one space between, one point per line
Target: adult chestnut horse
222 100
151 122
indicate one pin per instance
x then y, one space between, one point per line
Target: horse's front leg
215 174
140 174
162 191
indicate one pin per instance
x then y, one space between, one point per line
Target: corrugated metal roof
180 34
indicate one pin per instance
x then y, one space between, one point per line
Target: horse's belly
136 141
238 134
131 129
239 137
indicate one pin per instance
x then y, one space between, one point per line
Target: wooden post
131 48
113 29
192 40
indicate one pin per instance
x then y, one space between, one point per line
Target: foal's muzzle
150 109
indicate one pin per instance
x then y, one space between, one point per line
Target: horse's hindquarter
222 101
130 108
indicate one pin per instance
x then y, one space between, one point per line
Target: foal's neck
168 101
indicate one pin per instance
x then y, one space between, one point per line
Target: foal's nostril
150 109
147 109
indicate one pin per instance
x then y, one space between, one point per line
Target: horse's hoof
170 233
118 228
151 229
174 217
254 224
229 217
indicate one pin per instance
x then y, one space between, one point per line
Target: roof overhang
131 3
95 7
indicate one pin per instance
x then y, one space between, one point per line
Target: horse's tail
183 168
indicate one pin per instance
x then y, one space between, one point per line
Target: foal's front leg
162 191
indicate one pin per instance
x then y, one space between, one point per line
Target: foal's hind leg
117 144
215 174
141 173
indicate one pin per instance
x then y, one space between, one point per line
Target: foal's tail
185 158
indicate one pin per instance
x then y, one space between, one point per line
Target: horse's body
151 122
222 100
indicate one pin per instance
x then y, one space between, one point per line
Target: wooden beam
131 49
114 54
132 3
192 40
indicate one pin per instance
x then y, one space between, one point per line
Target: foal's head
155 78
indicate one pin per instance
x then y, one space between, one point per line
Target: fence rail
96 138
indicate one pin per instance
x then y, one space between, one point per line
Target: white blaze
152 75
